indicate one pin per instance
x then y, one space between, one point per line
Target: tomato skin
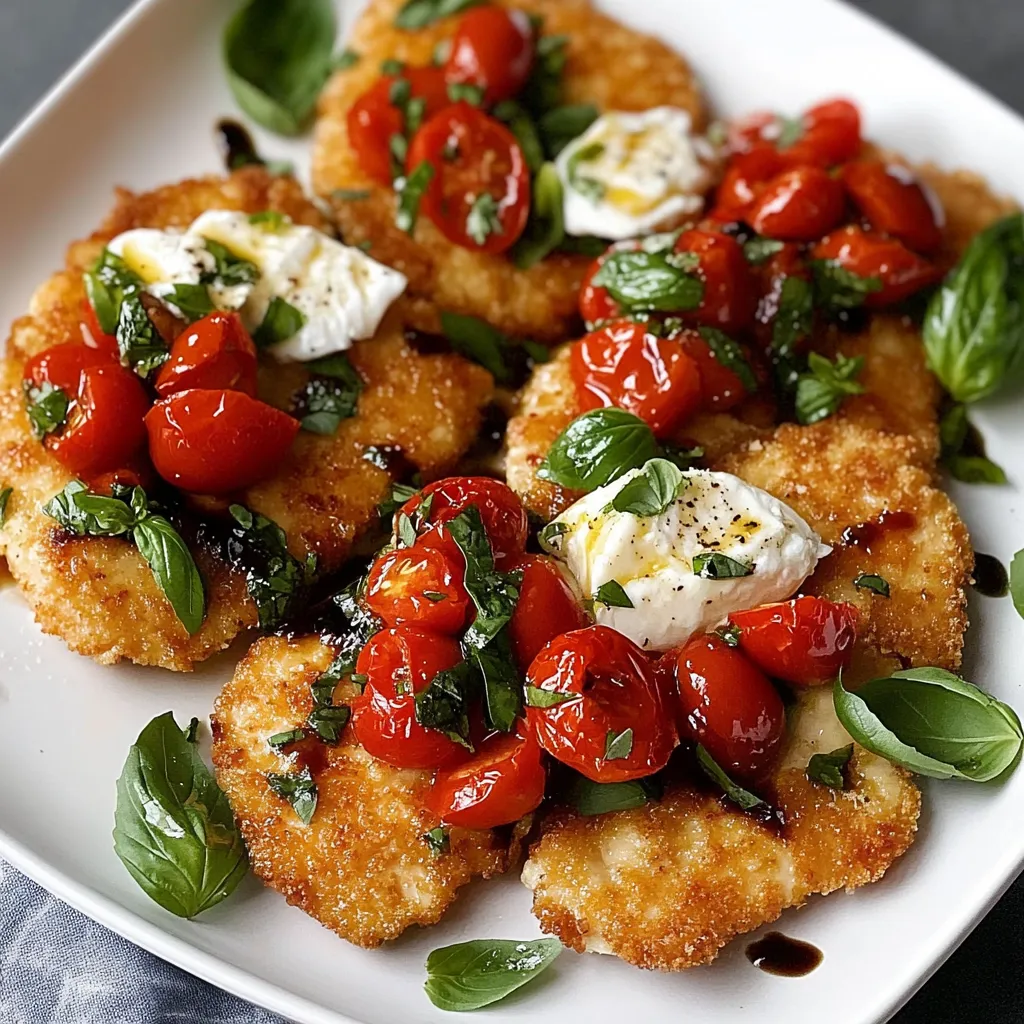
399 581
502 513
137 473
618 689
745 179
62 366
720 388
547 608
805 641
728 705
728 302
487 159
215 352
623 364
93 336
384 721
901 271
894 202
502 783
596 303
373 119
492 48
831 134
216 441
798 206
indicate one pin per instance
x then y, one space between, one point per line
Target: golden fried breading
608 65
362 866
98 594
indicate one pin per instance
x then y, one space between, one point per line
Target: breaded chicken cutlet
608 65
97 593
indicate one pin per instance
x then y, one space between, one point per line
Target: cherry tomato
214 442
729 298
61 366
831 135
751 131
502 783
493 48
744 180
720 388
105 427
501 511
894 202
479 196
93 336
615 691
728 705
398 664
547 608
771 276
625 365
138 473
799 205
865 254
596 303
422 585
215 352
373 119
805 641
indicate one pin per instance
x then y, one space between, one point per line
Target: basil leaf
278 55
545 228
597 448
5 497
538 698
560 125
400 494
443 705
281 322
330 396
469 975
362 624
618 745
348 58
478 340
282 739
648 281
592 798
519 122
729 634
174 569
464 92
99 517
870 581
543 89
790 132
712 565
731 355
548 536
138 341
419 13
192 301
483 220
759 250
975 469
105 285
837 288
589 188
828 768
741 797
963 450
583 245
272 220
1017 582
933 723
612 595
682 458
329 722
651 491
503 686
173 828
974 327
820 392
793 323
438 840
47 408
298 789
409 192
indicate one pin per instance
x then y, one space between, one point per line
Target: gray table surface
984 39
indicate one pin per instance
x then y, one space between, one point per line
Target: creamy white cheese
651 557
629 174
341 292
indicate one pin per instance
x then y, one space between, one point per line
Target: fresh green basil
589 188
89 515
328 722
409 192
821 390
173 828
348 58
963 450
282 739
729 634
479 341
873 582
974 326
712 565
362 624
837 288
47 408
790 130
742 798
473 974
549 535
560 125
793 323
545 228
443 705
682 458
522 126
975 469
5 497
539 698
277 54
416 14
191 300
618 745
330 395
438 840
543 89
281 322
400 494
270 220
106 284
828 769
759 250
612 595
138 341
593 798
597 448
298 789
933 723
465 92
731 355
650 281
651 491
1017 582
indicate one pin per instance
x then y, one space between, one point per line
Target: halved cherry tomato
105 427
92 333
720 388
373 119
727 704
894 202
398 664
615 701
214 442
865 254
799 205
596 303
831 135
745 178
625 365
502 783
752 130
479 195
62 366
421 585
501 511
493 48
728 301
547 608
805 641
215 352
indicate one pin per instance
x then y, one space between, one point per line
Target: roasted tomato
373 119
501 511
479 195
614 725
805 641
215 352
62 366
831 135
398 664
138 473
721 389
624 364
422 585
729 298
500 784
596 304
900 271
728 705
93 336
895 203
798 206
744 181
214 442
546 608
493 48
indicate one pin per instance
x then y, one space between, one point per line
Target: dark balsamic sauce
236 146
780 955
990 576
863 535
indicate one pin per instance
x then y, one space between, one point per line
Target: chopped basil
682 458
282 739
271 220
828 769
545 229
543 89
589 188
329 721
871 581
550 533
191 300
1017 582
522 126
731 355
400 494
975 469
643 281
963 451
618 745
465 92
838 288
443 705
298 789
652 490
362 624
759 250
539 698
5 497
583 245
47 408
191 731
229 270
742 798
438 840
712 565
330 396
405 531
348 58
420 13
281 322
793 323
790 132
478 340
138 341
592 798
821 390
391 66
483 219
560 125
173 828
106 284
410 192
612 595
729 634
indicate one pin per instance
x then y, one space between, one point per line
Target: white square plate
139 111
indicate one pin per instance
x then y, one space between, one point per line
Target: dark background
984 39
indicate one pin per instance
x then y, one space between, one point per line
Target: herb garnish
106 284
560 125
5 497
192 301
651 491
438 840
837 288
138 341
873 582
712 565
963 451
742 798
420 13
281 322
282 739
828 769
545 229
618 745
730 354
759 250
589 188
298 789
821 390
483 219
330 395
592 798
409 192
443 705
47 408
612 595
646 281
536 697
